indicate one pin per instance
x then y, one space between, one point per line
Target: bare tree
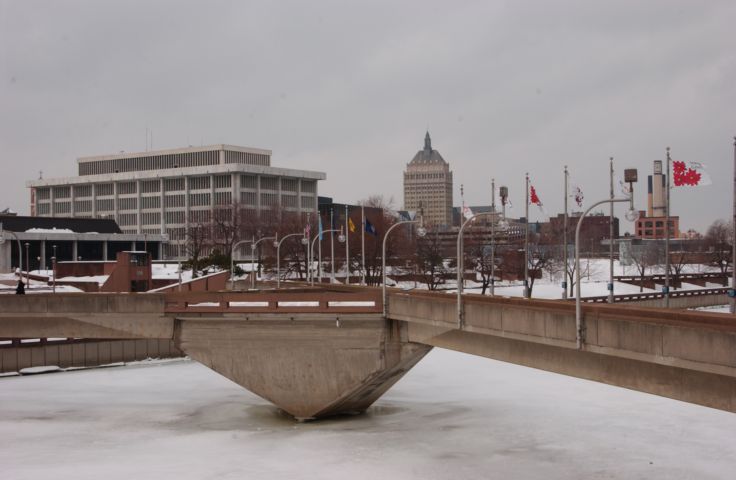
644 257
198 240
718 242
429 261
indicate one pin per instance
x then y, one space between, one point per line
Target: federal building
166 191
428 185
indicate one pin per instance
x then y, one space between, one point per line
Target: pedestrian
21 288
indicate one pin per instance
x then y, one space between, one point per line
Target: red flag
533 198
689 174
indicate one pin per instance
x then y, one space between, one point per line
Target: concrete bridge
316 353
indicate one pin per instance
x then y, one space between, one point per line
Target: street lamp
253 247
630 176
53 271
421 231
340 238
277 244
460 266
502 224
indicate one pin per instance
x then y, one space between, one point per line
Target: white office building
166 191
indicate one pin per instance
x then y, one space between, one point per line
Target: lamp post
53 265
232 261
340 238
53 268
421 231
503 225
28 266
252 257
277 244
460 266
630 176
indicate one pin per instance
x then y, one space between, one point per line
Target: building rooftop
16 223
427 155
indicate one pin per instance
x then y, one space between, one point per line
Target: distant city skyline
504 88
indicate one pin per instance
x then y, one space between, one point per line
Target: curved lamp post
421 231
277 244
340 238
253 247
232 260
631 215
460 266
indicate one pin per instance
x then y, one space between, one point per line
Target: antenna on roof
40 174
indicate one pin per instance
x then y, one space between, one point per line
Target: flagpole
667 236
733 231
362 240
610 240
347 247
332 244
319 254
526 243
493 234
564 242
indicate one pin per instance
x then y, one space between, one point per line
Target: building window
127 219
175 217
82 190
223 198
43 193
102 189
199 199
248 198
128 203
269 199
199 216
248 181
150 202
150 186
105 205
222 181
289 201
269 183
199 183
151 218
43 208
62 192
289 184
309 186
308 203
173 184
82 206
173 201
126 188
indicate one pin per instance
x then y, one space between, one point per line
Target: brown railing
634 297
302 301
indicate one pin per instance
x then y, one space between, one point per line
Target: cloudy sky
349 88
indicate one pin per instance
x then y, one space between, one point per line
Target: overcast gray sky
349 88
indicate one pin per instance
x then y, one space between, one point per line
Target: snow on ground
714 309
453 416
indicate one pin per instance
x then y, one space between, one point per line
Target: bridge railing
298 301
633 297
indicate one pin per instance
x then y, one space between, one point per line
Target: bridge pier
310 366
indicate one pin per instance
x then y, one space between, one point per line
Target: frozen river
454 416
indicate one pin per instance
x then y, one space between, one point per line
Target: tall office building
167 191
651 224
428 185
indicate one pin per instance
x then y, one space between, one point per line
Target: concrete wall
83 353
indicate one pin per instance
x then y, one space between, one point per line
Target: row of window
151 162
247 158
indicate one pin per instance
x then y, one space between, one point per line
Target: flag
351 225
577 194
625 188
467 212
320 228
369 228
689 174
533 197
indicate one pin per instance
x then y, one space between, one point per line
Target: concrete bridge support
311 366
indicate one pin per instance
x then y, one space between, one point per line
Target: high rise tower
428 185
